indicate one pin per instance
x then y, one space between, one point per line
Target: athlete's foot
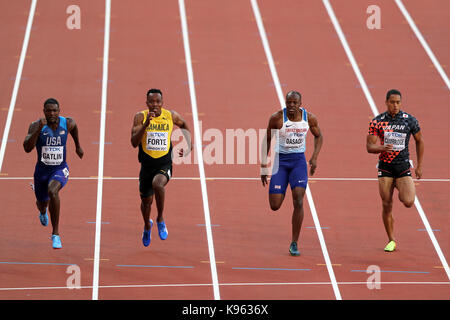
56 241
390 246
293 249
43 217
146 236
162 230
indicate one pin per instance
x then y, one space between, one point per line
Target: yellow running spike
390 246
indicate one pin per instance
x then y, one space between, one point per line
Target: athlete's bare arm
73 130
420 147
138 129
181 123
33 134
275 123
373 147
318 141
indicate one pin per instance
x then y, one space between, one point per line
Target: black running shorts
396 170
146 176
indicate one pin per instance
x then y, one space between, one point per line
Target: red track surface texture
234 89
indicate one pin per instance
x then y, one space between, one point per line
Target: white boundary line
226 178
277 84
375 112
101 153
125 286
422 41
12 104
198 149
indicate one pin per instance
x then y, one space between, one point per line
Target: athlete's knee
146 201
158 186
298 204
53 193
387 204
408 203
275 204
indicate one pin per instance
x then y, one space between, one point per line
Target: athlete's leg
146 194
298 194
277 187
406 190
40 188
298 180
158 184
42 206
386 189
146 205
276 200
54 204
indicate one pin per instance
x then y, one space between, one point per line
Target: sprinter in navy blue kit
291 125
49 136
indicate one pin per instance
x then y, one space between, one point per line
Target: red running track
234 90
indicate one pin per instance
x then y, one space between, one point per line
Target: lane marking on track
219 178
279 92
103 222
423 42
269 269
98 218
375 112
198 149
184 285
153 266
38 263
12 103
392 271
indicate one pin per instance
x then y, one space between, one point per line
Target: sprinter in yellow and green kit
151 132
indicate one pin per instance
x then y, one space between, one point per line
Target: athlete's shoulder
277 115
141 114
168 113
407 115
380 117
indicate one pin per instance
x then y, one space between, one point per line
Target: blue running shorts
43 176
288 168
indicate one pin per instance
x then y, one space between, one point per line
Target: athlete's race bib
52 156
396 139
295 138
157 141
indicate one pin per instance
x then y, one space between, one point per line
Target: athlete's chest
50 137
294 128
397 124
162 123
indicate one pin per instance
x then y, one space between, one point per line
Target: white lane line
422 41
432 237
101 152
226 178
12 103
277 84
198 149
175 285
375 113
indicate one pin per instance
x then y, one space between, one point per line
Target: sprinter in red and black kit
394 129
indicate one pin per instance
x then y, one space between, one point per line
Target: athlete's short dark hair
391 92
154 91
51 101
293 92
